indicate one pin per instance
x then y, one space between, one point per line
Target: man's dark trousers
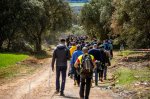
97 70
103 73
62 70
85 86
77 77
96 76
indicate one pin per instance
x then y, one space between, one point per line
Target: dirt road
41 85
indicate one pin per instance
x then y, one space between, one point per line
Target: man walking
75 55
72 49
87 64
61 54
104 63
97 55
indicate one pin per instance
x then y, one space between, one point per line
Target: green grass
142 74
126 76
10 59
126 53
76 4
16 71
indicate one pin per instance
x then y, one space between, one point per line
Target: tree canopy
126 20
30 19
131 20
96 17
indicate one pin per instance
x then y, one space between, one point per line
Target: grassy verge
131 74
125 53
15 70
126 76
10 59
8 66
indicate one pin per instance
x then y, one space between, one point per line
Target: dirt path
41 85
17 88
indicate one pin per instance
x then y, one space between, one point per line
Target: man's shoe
71 76
81 97
68 74
96 84
56 92
75 82
101 80
62 94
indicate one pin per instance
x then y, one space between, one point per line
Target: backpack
100 66
86 68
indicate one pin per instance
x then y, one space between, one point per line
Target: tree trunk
10 38
1 43
38 45
8 46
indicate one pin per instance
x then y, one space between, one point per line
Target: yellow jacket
72 49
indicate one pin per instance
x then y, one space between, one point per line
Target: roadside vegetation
14 71
131 73
7 59
126 53
26 25
15 64
29 26
125 21
126 76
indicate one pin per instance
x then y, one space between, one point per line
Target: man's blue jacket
75 55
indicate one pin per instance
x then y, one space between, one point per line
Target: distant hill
77 4
78 1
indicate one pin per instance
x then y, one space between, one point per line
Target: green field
76 4
10 59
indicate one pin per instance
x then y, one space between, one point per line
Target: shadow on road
71 97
